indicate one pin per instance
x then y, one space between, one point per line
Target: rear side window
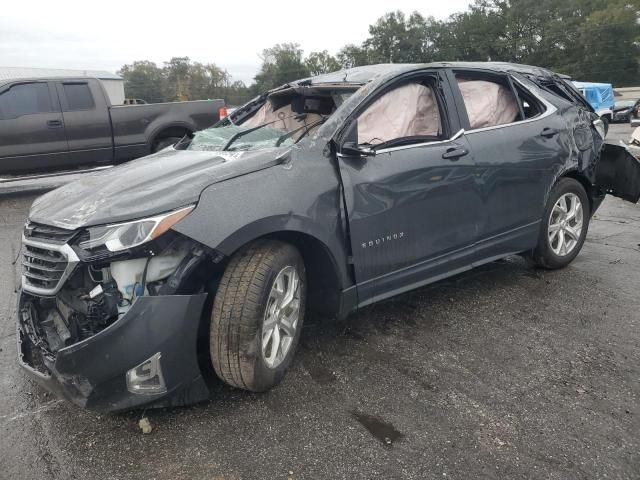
530 105
489 102
25 99
78 97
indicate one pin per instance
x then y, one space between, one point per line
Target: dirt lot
503 372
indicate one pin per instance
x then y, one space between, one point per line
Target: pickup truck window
25 99
78 97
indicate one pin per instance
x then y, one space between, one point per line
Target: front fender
290 197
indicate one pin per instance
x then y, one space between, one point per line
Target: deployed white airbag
284 117
488 103
407 111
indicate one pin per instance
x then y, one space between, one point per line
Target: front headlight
122 236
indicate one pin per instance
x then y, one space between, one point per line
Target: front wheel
257 315
564 225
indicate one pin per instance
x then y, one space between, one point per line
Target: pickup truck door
87 121
412 208
31 128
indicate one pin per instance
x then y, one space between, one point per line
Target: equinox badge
380 241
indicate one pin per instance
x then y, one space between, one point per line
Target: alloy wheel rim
281 317
565 224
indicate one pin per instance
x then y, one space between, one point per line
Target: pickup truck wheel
164 143
564 225
257 315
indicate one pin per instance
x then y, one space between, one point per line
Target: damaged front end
109 317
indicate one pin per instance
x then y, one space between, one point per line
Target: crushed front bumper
92 372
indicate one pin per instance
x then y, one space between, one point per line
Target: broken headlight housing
123 236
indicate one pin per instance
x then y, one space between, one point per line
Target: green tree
207 81
281 63
351 56
318 63
394 38
143 79
176 72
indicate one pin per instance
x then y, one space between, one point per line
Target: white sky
104 35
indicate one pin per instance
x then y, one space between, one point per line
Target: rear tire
564 225
260 301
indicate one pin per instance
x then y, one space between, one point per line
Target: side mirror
352 149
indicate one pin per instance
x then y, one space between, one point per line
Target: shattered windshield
217 138
285 118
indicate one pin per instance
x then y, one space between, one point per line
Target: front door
412 207
32 133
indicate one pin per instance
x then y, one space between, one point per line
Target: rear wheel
564 225
257 315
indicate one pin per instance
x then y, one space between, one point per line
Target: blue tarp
599 95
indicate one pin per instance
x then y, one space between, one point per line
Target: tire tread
236 306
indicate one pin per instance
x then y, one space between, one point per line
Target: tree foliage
281 63
592 40
181 79
318 63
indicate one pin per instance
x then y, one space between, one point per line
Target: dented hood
164 181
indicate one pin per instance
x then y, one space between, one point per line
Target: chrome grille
46 266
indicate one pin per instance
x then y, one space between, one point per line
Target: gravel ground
502 372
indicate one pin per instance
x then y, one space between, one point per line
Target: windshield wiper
293 132
252 129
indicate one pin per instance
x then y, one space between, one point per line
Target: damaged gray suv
326 194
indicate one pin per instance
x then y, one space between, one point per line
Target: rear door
32 134
87 121
515 142
413 207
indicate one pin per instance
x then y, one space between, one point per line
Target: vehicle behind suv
326 194
65 123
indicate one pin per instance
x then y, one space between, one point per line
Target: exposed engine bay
102 288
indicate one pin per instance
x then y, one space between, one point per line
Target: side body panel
518 164
301 195
33 141
407 209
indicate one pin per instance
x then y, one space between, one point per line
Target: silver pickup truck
63 123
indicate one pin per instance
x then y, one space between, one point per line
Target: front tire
257 315
564 225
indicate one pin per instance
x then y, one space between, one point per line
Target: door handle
454 153
548 132
54 123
